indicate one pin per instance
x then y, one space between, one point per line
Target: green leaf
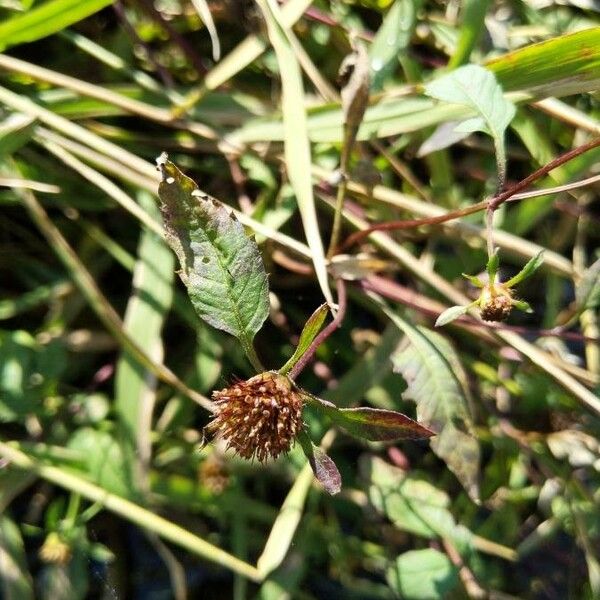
309 332
104 460
528 270
392 37
296 140
28 372
472 26
434 385
474 280
322 466
565 65
423 574
15 580
146 311
477 88
412 503
46 19
561 66
450 314
220 265
374 424
492 266
522 305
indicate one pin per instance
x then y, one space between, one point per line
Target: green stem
337 218
130 511
252 356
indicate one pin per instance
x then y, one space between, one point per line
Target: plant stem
337 217
337 320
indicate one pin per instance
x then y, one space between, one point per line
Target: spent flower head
260 417
496 299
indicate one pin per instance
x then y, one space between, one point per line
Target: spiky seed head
259 418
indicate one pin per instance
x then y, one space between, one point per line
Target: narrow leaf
528 270
323 467
220 265
522 305
474 280
148 305
203 11
309 332
285 525
441 403
46 19
374 424
296 140
392 37
450 314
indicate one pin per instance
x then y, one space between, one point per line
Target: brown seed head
259 417
496 304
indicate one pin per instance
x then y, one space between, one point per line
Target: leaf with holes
220 265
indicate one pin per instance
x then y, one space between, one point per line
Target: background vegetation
106 488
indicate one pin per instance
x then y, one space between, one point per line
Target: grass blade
297 144
46 19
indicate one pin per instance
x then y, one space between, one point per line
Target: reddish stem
492 204
337 321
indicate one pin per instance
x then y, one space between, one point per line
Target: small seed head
495 303
259 418
55 550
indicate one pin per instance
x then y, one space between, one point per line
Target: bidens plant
224 274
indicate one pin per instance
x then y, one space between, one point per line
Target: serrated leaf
426 573
450 314
220 265
309 332
477 88
441 402
374 424
392 37
528 270
323 467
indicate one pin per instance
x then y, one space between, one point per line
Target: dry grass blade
297 145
